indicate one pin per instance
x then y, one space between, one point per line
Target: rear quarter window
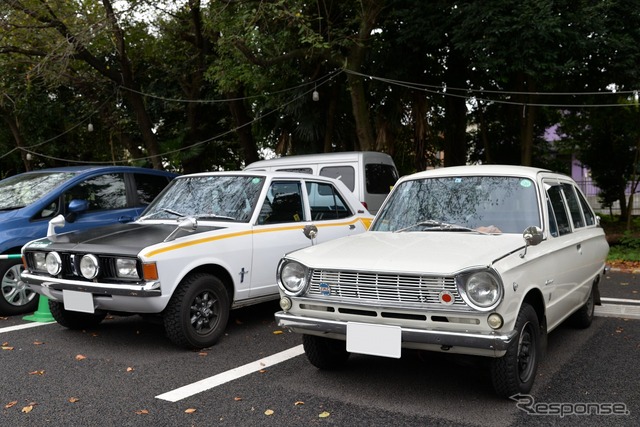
346 174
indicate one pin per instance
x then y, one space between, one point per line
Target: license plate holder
376 340
78 301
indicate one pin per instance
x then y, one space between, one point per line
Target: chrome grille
382 288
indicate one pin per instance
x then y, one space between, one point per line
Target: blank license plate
78 301
377 340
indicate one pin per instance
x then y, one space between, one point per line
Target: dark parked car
87 196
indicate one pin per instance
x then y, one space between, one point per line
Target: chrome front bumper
491 341
146 289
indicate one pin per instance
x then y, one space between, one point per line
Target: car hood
415 252
122 239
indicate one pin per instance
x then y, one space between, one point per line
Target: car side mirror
78 205
311 231
188 224
532 236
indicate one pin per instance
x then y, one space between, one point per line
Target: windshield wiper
10 208
440 225
213 216
167 210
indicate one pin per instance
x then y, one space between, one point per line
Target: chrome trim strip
147 289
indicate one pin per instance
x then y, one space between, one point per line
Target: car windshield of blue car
22 190
483 204
208 198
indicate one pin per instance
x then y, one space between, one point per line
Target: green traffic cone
42 314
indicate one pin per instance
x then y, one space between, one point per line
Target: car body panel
243 253
387 277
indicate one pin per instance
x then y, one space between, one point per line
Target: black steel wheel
75 319
198 311
515 372
325 353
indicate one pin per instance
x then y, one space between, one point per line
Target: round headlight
89 266
53 263
481 290
292 276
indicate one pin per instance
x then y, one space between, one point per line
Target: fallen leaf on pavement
299 402
7 347
277 332
268 412
190 411
237 398
324 414
142 412
130 369
40 372
73 399
80 357
38 343
11 404
27 409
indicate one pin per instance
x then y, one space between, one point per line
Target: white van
369 174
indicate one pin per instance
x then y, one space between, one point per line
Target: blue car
87 196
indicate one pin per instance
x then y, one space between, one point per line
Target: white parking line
233 374
24 326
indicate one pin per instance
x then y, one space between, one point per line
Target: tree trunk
455 116
364 129
242 124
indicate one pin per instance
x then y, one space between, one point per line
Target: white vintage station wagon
208 243
479 260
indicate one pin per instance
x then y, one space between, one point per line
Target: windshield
495 204
22 190
216 198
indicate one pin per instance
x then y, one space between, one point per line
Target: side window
574 205
380 178
325 202
589 216
283 203
149 186
102 192
346 174
553 225
557 202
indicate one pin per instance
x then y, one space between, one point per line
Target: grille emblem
325 289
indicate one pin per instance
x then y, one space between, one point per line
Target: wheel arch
221 273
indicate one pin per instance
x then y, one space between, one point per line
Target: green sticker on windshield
256 180
525 183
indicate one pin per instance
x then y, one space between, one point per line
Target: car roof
508 170
92 168
268 174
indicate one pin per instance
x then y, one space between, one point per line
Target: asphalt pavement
621 285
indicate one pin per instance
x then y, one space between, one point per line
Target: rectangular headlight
127 268
39 259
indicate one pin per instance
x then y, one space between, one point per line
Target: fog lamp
285 303
495 321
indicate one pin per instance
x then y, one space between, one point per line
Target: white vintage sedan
209 243
479 260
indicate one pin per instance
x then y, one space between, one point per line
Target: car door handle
579 248
352 227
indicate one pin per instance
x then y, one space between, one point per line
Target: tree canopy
195 85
